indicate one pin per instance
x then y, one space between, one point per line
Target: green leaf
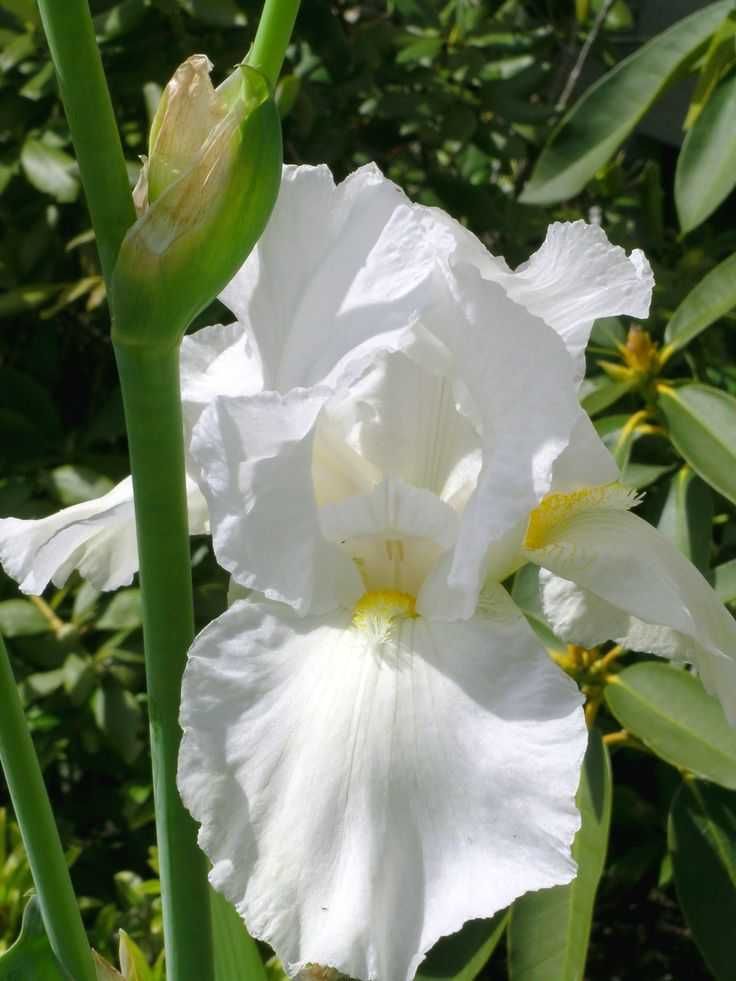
706 166
221 13
713 297
72 485
600 392
687 517
719 57
20 618
236 954
133 965
119 20
119 716
550 929
31 956
463 955
670 711
608 333
702 840
50 170
724 581
702 427
592 131
125 611
641 475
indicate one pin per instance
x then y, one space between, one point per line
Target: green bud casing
206 194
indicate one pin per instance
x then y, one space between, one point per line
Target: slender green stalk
272 38
71 38
41 839
150 385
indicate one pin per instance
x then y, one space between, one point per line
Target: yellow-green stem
272 38
71 38
150 384
59 907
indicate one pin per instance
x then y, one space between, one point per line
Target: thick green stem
61 915
71 37
272 38
150 383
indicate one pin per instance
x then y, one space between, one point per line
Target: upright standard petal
359 799
577 276
574 278
364 272
255 455
519 382
219 360
636 581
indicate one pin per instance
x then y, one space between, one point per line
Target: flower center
378 610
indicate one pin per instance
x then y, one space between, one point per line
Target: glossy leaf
236 954
724 581
31 956
597 125
50 170
668 709
706 166
702 840
463 955
687 517
719 57
124 612
72 484
119 716
600 392
641 475
702 426
550 929
713 297
20 618
133 964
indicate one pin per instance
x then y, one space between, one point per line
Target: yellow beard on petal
555 509
377 611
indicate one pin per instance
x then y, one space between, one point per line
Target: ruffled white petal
217 360
519 380
577 276
255 455
574 278
637 582
585 461
335 266
359 802
97 538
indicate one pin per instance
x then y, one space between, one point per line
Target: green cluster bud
204 197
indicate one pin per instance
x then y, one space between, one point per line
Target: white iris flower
375 743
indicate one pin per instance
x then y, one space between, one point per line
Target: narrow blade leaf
687 517
702 841
597 125
550 929
236 953
713 297
706 166
462 956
